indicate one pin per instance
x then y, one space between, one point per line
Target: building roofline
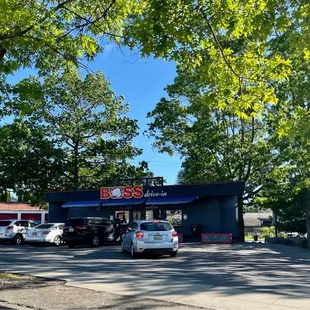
167 185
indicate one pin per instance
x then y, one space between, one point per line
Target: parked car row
18 231
137 238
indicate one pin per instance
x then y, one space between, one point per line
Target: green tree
216 145
180 177
227 41
289 131
53 33
69 133
5 196
250 59
30 163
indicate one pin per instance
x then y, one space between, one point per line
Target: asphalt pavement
241 276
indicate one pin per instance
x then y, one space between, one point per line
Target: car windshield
5 223
45 226
156 226
75 222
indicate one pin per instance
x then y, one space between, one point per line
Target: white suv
150 236
15 230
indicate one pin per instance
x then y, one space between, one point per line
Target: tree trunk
240 218
76 177
308 219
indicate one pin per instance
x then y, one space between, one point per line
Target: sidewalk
63 297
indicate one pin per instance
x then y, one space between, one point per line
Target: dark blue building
211 206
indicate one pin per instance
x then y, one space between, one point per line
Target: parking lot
217 276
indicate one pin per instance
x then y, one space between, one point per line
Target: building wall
57 213
214 215
37 215
229 217
205 213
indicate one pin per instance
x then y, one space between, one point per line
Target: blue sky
142 82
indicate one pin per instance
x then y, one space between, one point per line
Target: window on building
174 217
136 215
149 215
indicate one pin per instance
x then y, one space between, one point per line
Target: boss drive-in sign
127 192
118 192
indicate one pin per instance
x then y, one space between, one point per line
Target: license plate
71 229
158 237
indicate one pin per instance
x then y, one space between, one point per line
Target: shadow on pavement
232 269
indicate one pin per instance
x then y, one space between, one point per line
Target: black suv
88 230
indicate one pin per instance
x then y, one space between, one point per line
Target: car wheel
71 245
18 239
95 241
174 254
57 240
132 251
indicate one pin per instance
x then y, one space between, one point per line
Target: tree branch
251 142
20 32
219 44
254 192
93 22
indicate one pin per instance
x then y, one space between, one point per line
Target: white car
15 230
150 236
46 233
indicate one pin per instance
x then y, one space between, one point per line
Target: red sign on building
216 238
119 192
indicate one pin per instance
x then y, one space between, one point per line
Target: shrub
268 231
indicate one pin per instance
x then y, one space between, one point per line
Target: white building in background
22 211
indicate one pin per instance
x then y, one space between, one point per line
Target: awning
122 202
169 200
85 203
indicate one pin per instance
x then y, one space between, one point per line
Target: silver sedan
47 233
150 236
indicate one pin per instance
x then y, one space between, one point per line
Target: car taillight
81 227
139 234
9 227
174 234
45 232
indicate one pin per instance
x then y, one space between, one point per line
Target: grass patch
251 238
6 277
15 280
9 276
